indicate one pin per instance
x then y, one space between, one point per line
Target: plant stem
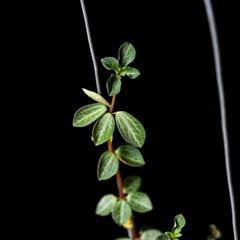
131 232
109 143
119 184
110 149
112 103
118 174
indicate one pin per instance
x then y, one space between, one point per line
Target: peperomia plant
130 198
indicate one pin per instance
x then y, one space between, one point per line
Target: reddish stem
112 103
119 184
134 234
118 174
110 147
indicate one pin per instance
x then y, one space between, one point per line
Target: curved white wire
217 60
91 47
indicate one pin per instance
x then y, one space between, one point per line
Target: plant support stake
216 53
91 46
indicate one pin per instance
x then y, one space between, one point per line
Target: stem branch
112 103
119 184
131 232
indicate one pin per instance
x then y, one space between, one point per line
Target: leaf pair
108 163
120 209
103 128
126 54
139 201
114 81
129 127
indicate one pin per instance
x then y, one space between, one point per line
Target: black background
175 98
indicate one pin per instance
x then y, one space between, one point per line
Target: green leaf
169 234
150 234
96 97
113 85
177 235
218 234
131 184
139 201
121 212
126 54
130 155
129 71
212 227
106 205
88 114
111 63
215 232
107 166
130 128
123 238
179 223
162 237
103 129
144 228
